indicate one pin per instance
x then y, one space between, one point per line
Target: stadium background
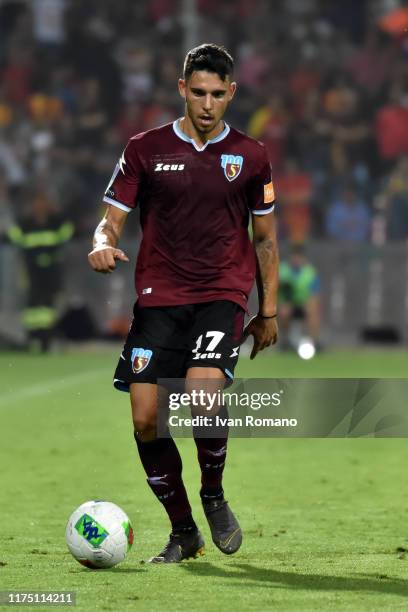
325 85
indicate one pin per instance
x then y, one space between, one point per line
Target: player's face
207 97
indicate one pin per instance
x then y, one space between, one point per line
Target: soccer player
197 182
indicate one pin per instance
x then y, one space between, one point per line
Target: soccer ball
99 534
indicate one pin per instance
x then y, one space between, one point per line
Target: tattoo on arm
267 269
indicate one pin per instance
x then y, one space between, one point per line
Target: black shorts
164 342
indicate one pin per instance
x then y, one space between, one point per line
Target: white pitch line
46 388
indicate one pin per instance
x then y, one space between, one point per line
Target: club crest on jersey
232 165
140 359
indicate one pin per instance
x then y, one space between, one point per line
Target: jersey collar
179 132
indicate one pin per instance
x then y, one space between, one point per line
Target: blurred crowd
323 83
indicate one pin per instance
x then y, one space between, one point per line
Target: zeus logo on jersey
232 165
162 167
140 359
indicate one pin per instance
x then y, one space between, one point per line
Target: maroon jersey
194 209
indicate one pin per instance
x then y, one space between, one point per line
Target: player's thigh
147 400
207 384
206 374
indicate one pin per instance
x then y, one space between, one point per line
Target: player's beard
206 128
201 127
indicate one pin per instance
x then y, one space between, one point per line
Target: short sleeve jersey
194 204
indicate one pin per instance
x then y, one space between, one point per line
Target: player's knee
144 412
144 425
144 430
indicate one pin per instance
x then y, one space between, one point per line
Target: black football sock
212 453
162 463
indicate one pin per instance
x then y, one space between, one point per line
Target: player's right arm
104 254
121 197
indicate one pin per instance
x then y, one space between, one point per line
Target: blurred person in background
254 65
349 217
271 124
396 201
41 234
159 111
91 123
17 73
45 113
130 120
6 213
391 125
342 173
137 71
295 192
344 121
299 297
370 64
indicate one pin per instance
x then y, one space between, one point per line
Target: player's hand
103 259
264 331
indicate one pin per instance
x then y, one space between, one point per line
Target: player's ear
232 89
182 88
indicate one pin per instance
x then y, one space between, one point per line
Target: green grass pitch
325 521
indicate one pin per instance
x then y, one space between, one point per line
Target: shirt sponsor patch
269 194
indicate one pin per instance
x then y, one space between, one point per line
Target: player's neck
200 138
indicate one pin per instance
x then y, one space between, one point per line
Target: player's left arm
263 327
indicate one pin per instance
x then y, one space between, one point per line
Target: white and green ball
99 534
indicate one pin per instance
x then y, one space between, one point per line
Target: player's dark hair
209 57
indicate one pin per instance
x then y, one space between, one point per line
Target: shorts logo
235 351
140 359
232 165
